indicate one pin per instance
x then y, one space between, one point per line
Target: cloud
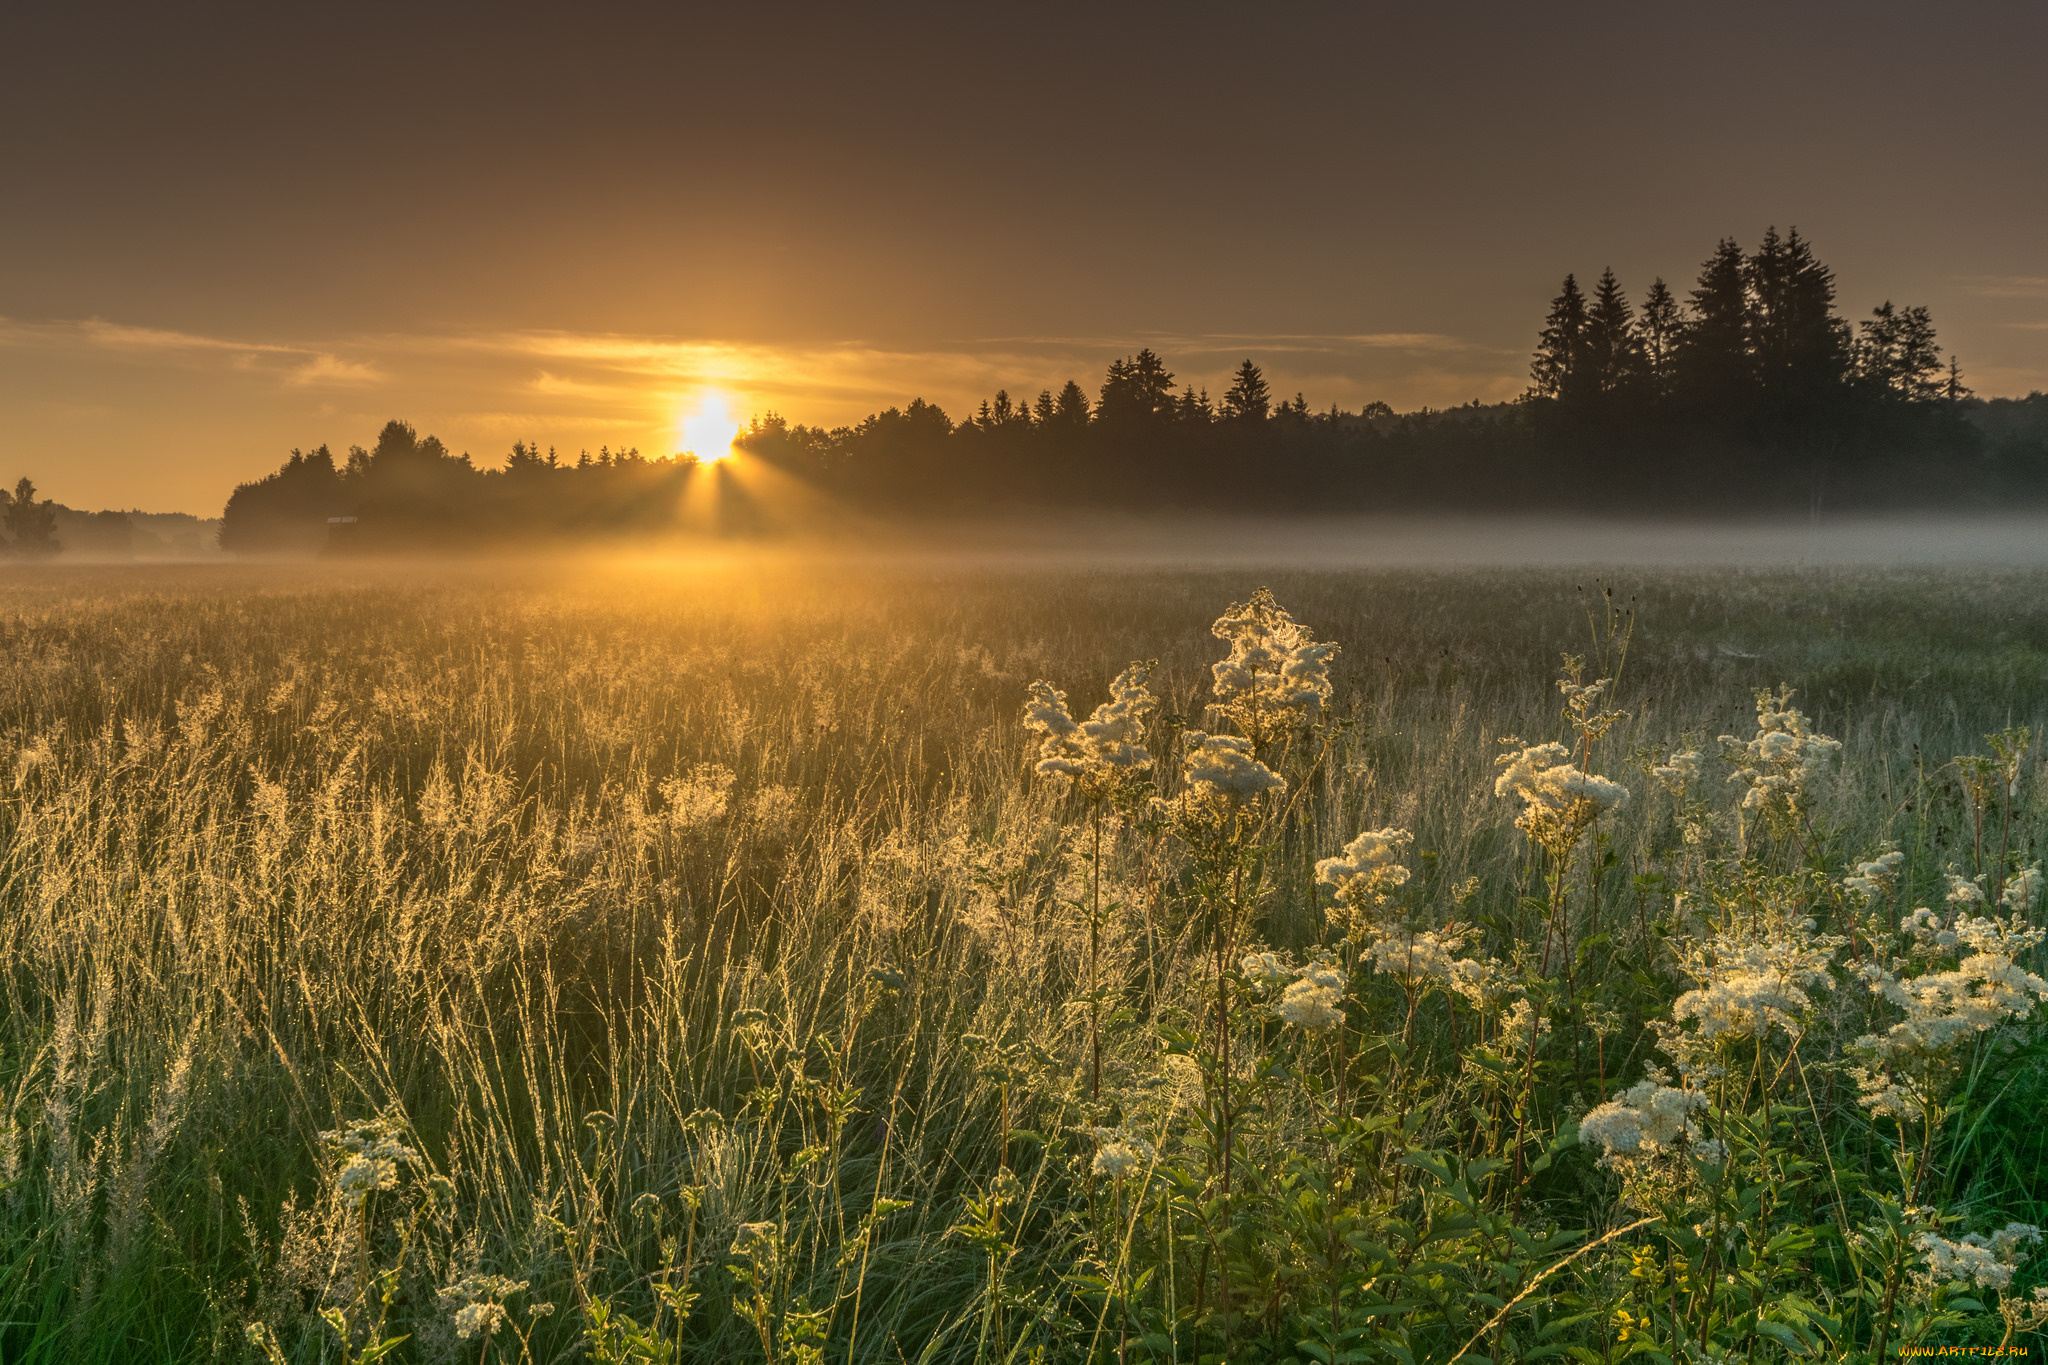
297 366
2006 286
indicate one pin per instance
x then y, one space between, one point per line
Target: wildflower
1314 1001
1119 1153
2022 890
1266 969
1368 870
1678 771
1559 803
1987 1262
1781 760
1645 1118
473 1318
1876 877
1752 982
1103 750
477 1303
1277 675
1221 769
1522 1027
1947 1010
372 1154
1963 893
1428 955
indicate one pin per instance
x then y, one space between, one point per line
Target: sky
230 231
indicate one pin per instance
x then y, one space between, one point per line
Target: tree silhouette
32 524
1612 354
1561 347
1248 399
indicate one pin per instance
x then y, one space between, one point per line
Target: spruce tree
1657 331
1613 360
1248 399
1560 348
1070 409
1713 349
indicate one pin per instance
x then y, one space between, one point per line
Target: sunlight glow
708 432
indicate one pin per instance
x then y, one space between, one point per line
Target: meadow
743 959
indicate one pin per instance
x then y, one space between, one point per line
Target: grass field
665 961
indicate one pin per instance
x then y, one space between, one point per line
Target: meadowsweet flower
1751 983
1483 982
1646 1119
1104 750
1987 1262
1678 772
1222 770
1877 877
477 1303
1781 760
1366 874
2022 890
1277 675
1119 1153
1429 955
1266 969
1315 1000
1559 803
371 1154
1522 1027
1963 892
1945 1011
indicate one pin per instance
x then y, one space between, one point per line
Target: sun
709 430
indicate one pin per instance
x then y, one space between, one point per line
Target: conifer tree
1612 358
1560 349
1798 347
1070 409
1248 399
1896 351
1657 331
1713 349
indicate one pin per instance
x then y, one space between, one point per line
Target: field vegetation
789 962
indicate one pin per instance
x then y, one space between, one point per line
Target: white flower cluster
1277 674
1679 771
1750 984
1877 877
1120 1153
1420 955
1947 1010
1369 868
1106 747
1222 769
1783 757
1266 969
477 1303
1559 802
1314 1000
1987 1262
1647 1119
370 1155
1964 892
2022 890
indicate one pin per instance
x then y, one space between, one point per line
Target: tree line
1748 392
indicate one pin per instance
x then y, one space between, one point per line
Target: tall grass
708 938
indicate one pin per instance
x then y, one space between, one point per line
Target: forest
1751 393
